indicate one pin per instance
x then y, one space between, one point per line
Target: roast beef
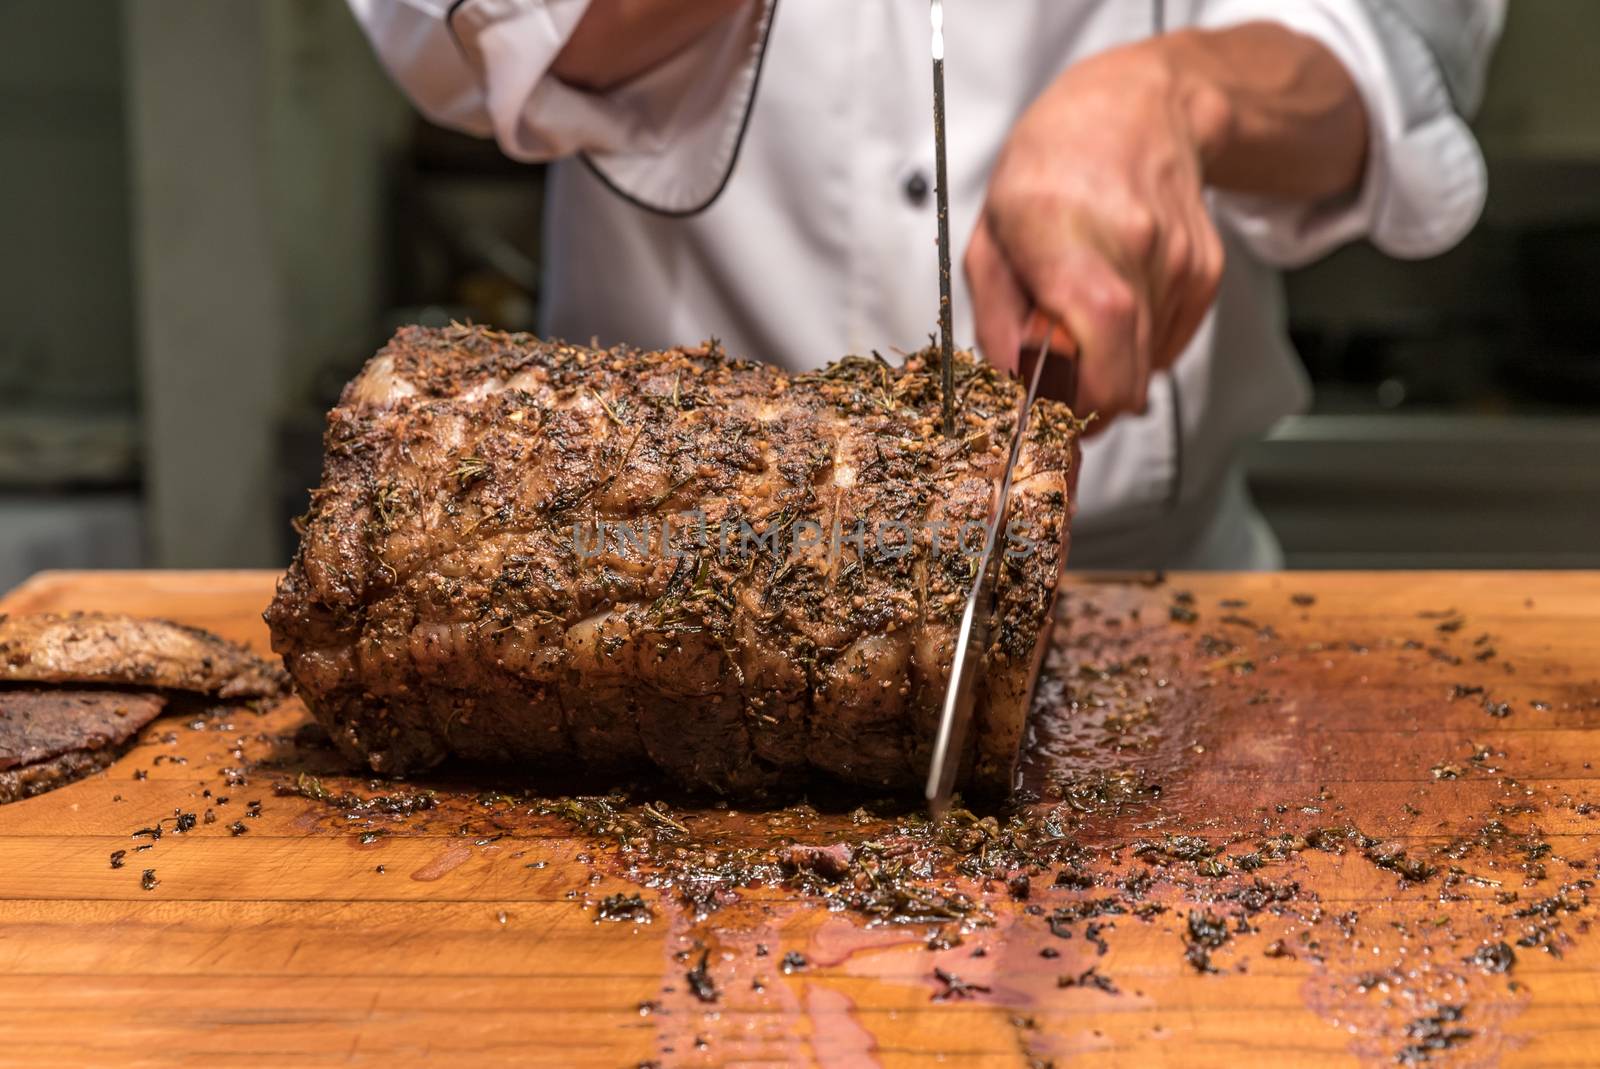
75 689
50 736
131 651
543 555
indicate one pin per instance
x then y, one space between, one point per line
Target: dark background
214 210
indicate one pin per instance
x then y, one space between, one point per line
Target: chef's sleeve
667 138
1420 66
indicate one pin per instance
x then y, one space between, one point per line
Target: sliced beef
107 648
450 595
51 736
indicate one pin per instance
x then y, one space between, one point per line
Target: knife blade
977 617
941 189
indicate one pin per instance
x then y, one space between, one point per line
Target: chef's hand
1095 212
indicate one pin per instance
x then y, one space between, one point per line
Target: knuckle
1138 230
1111 300
1215 265
1214 258
1180 258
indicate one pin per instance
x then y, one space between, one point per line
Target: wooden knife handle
1059 380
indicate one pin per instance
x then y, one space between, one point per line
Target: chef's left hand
1095 211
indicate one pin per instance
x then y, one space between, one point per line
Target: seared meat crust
450 595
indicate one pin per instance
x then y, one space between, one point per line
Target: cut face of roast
53 735
118 650
75 688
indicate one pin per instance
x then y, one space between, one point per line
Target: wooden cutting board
1329 706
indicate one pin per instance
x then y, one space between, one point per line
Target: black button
916 189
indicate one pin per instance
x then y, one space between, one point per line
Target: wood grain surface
1205 716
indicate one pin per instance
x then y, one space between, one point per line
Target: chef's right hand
1095 211
1095 216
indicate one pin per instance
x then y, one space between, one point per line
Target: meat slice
51 736
541 554
106 648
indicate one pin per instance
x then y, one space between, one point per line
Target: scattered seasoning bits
209 818
1432 1034
141 773
400 804
1392 856
1206 932
380 870
117 857
955 988
238 827
1090 977
621 907
186 821
794 962
700 983
1303 600
1092 933
1494 958
148 881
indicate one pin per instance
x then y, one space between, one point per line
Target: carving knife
947 372
1040 340
1045 344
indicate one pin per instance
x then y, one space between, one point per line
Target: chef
762 171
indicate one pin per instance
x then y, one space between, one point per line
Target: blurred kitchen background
213 210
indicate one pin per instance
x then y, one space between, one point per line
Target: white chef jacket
771 186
